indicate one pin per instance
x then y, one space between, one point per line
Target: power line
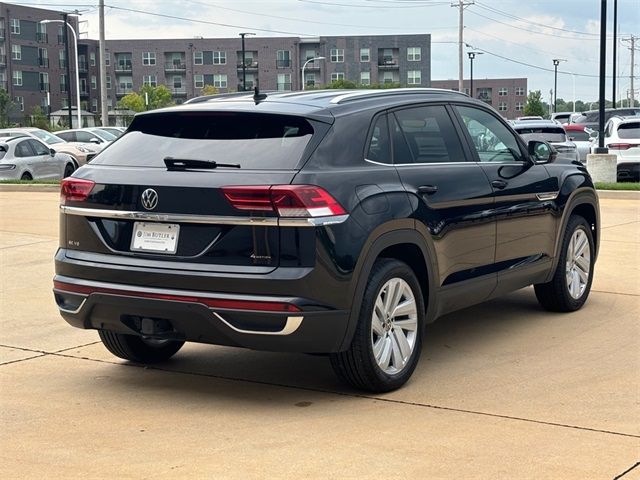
351 5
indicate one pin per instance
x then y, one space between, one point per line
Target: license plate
155 237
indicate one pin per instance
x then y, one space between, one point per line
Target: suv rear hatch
203 189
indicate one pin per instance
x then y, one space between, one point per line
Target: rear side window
68 136
629 130
379 143
23 149
425 135
254 141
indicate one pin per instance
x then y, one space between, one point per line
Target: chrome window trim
545 196
204 219
293 323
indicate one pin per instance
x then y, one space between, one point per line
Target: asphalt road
503 390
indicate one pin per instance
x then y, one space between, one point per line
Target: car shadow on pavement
236 371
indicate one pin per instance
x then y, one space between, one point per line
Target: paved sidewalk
503 390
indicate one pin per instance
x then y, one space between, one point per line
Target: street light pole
603 68
66 37
305 66
472 55
556 62
244 64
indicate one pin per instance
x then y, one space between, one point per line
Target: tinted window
255 141
86 137
23 149
578 135
46 137
379 144
425 135
38 148
629 130
547 134
493 141
68 136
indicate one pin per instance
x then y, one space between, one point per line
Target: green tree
209 90
6 108
534 104
149 98
132 101
38 119
341 84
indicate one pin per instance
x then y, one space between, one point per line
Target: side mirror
52 152
541 152
94 140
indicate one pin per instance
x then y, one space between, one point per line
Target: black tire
137 349
26 176
555 295
68 170
357 366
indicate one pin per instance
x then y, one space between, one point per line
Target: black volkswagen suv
334 222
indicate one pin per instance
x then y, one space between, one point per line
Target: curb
619 194
11 187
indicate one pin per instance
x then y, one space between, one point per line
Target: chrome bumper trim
293 323
203 219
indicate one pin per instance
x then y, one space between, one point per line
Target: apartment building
507 95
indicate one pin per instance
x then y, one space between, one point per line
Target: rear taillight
285 200
75 189
621 146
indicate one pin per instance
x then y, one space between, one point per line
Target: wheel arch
406 245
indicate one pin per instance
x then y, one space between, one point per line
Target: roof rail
371 93
215 96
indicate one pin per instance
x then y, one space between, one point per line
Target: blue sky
532 32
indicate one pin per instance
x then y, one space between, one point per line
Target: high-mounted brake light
286 200
75 189
621 146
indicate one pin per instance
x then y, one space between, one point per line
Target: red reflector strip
621 146
209 302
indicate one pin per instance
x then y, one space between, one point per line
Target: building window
335 76
337 55
283 59
94 82
503 92
108 82
20 103
94 105
151 80
149 58
519 106
16 52
309 54
109 102
83 85
43 81
284 81
63 83
414 54
65 103
520 91
310 79
62 59
502 106
198 58
466 90
365 78
220 81
414 77
365 54
198 81
17 78
219 58
484 94
387 77
15 26
92 59
107 59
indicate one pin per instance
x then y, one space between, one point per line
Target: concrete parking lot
503 390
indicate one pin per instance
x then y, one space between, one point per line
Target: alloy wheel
578 264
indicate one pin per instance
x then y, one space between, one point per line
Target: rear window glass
548 134
578 135
629 130
254 141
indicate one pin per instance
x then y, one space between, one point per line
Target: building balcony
84 92
63 88
124 68
123 90
387 63
250 86
175 67
178 91
44 87
83 67
42 37
484 97
43 62
249 65
283 63
312 66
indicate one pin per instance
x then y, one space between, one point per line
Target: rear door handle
427 189
499 184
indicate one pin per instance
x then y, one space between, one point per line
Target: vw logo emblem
149 199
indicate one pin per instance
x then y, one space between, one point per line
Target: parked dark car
332 222
591 118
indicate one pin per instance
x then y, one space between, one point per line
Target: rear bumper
628 170
156 313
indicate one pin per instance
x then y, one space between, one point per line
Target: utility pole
461 4
104 112
603 68
244 62
68 62
615 49
632 46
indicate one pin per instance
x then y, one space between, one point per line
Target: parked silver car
552 132
25 158
87 135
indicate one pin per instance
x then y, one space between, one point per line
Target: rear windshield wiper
181 164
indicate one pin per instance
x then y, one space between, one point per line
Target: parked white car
87 135
25 158
552 132
622 138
